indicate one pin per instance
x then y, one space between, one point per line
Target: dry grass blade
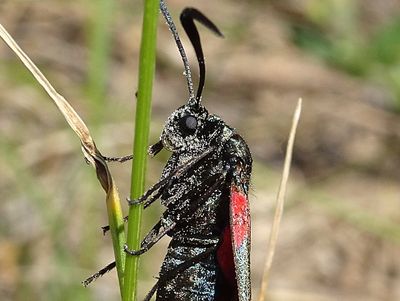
75 122
280 202
91 153
69 113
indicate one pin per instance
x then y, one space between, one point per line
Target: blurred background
340 235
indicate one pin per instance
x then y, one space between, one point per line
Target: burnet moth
204 187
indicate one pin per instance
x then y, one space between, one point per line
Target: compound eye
188 124
191 122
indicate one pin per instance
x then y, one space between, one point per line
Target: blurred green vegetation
335 33
99 34
59 210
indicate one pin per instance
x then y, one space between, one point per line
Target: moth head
193 130
190 128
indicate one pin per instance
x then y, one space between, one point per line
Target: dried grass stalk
279 203
90 151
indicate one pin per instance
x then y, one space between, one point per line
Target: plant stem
142 127
115 218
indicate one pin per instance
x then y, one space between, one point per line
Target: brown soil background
340 233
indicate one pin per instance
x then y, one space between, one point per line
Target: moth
204 188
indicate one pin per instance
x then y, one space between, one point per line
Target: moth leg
159 230
155 148
176 174
100 273
147 198
133 202
149 201
151 293
107 228
118 159
149 192
152 200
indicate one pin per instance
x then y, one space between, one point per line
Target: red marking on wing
225 257
240 217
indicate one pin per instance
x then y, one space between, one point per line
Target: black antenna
188 16
172 28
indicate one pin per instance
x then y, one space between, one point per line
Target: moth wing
239 212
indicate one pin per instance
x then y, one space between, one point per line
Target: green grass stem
115 219
140 144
